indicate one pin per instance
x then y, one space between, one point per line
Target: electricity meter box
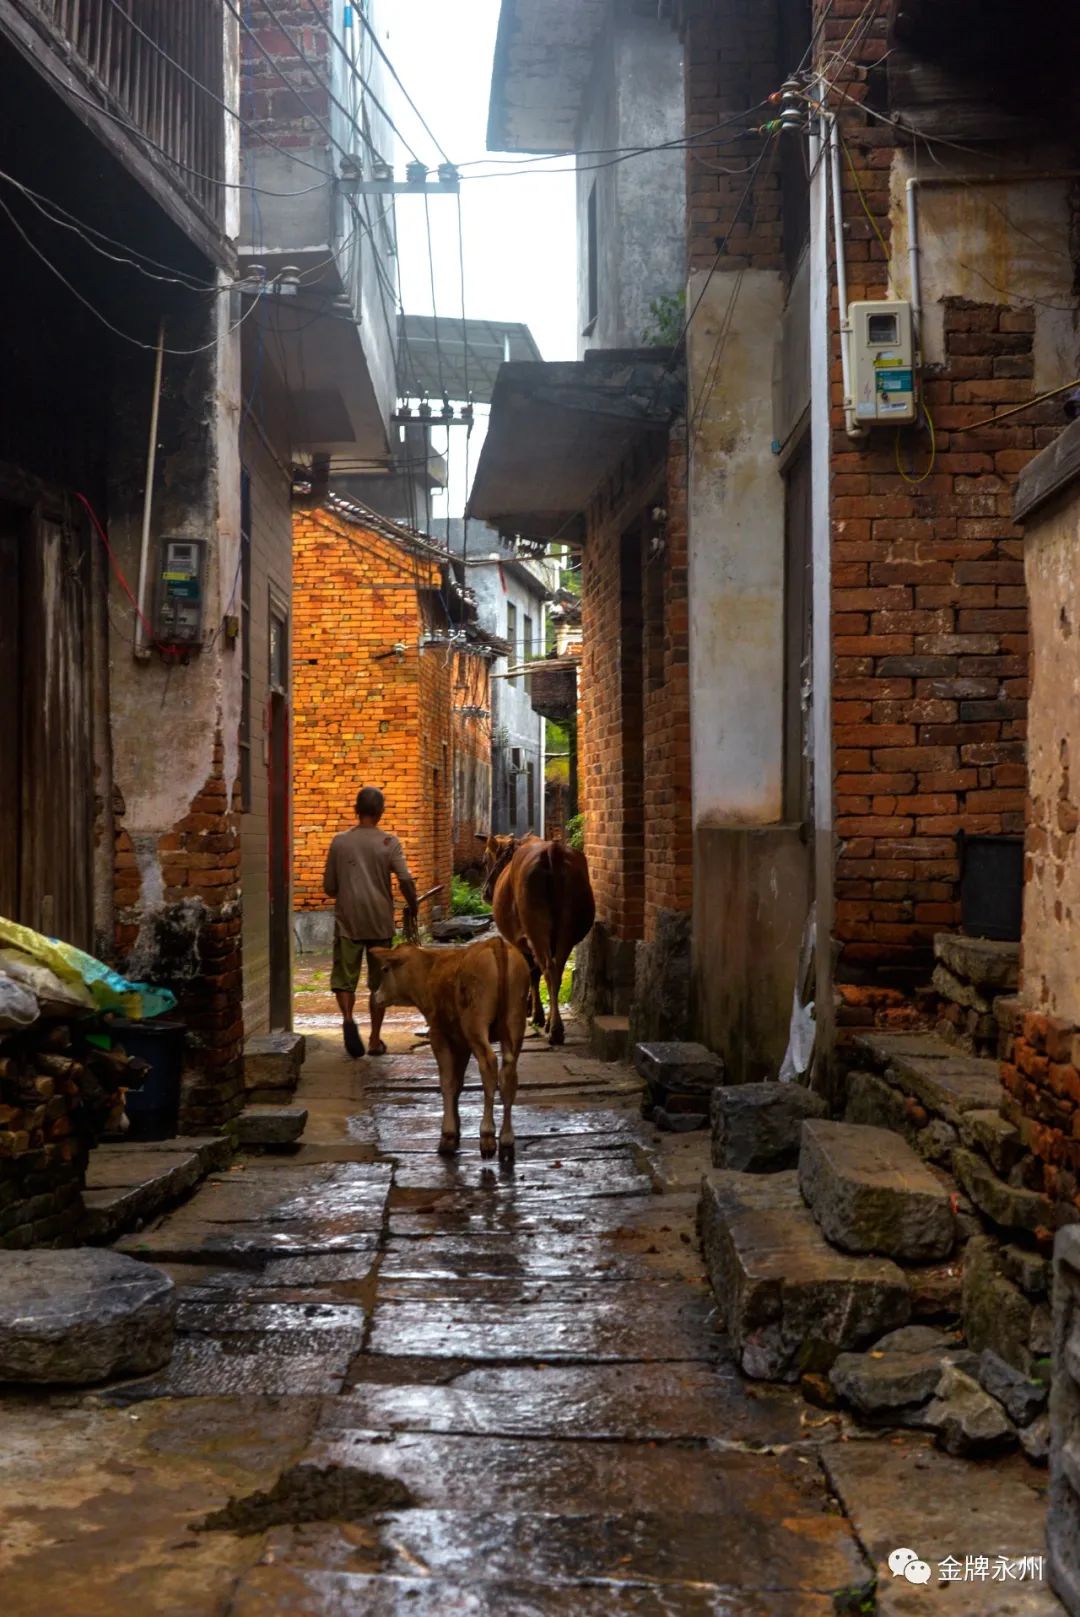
882 363
181 587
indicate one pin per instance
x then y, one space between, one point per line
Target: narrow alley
401 1384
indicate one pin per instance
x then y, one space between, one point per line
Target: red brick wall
197 929
929 607
362 715
668 826
265 101
634 718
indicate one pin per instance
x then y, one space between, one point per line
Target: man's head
370 803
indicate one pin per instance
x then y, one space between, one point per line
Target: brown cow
470 997
542 901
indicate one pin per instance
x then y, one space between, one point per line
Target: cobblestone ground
408 1385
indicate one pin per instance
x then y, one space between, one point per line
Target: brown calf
470 997
542 901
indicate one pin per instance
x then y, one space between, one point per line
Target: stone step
609 1037
757 1128
991 966
269 1127
789 1300
272 1063
80 1316
129 1183
942 1079
869 1192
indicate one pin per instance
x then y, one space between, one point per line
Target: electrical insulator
792 106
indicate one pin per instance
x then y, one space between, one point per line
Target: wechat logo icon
906 1564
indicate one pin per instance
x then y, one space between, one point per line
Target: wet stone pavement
406 1385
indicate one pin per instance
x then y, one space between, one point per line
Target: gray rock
936 1142
461 928
1035 1440
945 1082
81 1316
661 1008
269 1126
609 1037
915 1339
1026 1269
986 962
936 1290
872 1099
679 1122
272 1063
870 1193
996 1313
957 990
789 1300
757 1128
1041 1335
1008 1206
678 1066
966 1419
988 1132
882 1383
1020 1398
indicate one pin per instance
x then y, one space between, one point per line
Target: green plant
575 832
665 327
465 899
566 987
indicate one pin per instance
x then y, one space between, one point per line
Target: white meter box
882 363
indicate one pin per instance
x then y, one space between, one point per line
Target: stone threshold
130 1182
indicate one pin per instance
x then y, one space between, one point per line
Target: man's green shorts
349 957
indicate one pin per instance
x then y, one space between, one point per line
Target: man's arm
404 877
330 881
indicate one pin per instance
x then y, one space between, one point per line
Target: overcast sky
518 229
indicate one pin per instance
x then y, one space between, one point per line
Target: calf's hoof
557 1036
448 1144
506 1150
487 1145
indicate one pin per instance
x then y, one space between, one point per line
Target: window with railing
160 63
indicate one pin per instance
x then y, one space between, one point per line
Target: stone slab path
403 1385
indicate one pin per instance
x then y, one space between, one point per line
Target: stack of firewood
57 1084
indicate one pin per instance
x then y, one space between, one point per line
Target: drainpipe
140 648
833 142
914 268
821 577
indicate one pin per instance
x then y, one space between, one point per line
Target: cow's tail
555 860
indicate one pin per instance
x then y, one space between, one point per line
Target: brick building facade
373 679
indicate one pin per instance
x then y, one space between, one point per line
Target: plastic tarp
91 983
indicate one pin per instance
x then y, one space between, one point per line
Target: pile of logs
61 1090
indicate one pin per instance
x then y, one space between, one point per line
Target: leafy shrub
575 832
465 899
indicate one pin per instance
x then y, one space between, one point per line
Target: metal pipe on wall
832 139
140 648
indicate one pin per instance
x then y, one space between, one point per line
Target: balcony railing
160 62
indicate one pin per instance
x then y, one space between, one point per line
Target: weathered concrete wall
1051 947
635 100
751 895
736 551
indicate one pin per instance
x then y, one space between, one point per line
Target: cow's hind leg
539 1018
511 1034
489 1073
553 972
452 1064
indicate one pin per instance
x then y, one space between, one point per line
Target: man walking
358 870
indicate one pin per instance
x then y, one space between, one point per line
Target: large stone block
81 1316
272 1063
991 966
996 1314
940 1079
997 1139
789 1300
270 1127
679 1066
609 1037
757 1128
870 1193
1063 1517
1010 1207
